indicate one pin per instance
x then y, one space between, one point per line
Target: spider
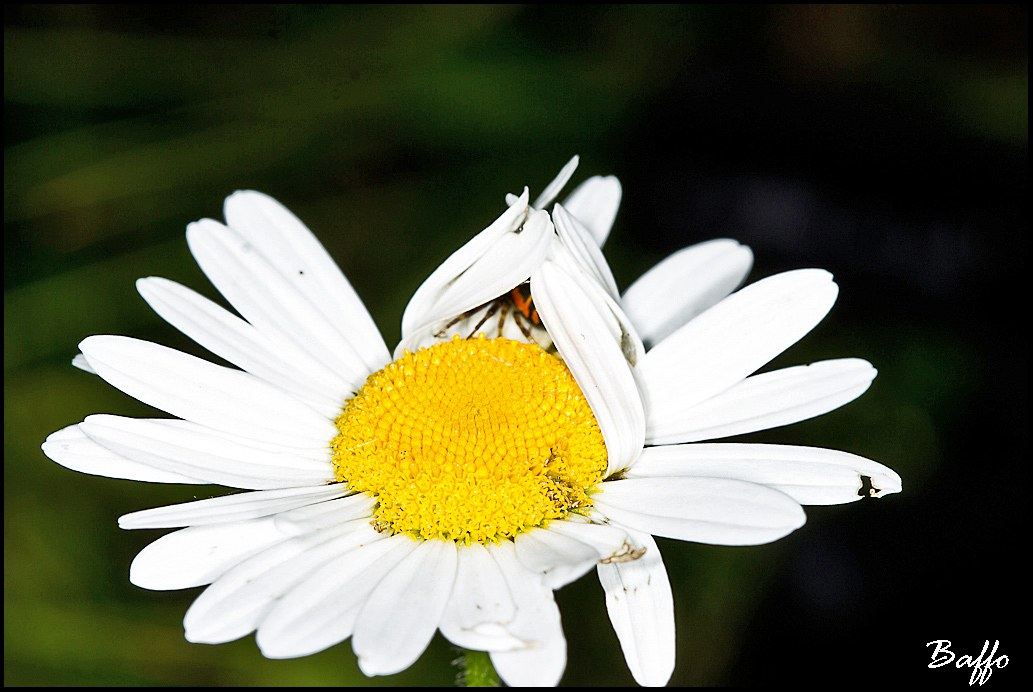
518 302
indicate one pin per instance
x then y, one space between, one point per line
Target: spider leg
487 315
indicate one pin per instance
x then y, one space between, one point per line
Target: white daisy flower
505 449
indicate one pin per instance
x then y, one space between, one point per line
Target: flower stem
475 669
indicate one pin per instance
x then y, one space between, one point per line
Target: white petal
403 612
809 475
559 559
481 606
275 304
566 550
704 510
541 664
420 310
267 357
641 608
495 271
73 449
300 257
584 337
595 203
205 393
238 601
321 610
731 340
558 183
684 285
326 515
190 449
767 401
200 554
227 508
80 362
582 245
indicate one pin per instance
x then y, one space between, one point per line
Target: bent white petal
595 203
585 340
404 610
79 361
422 309
269 358
733 339
565 550
75 450
684 285
299 256
183 447
641 609
810 475
199 554
767 401
704 510
208 394
481 605
236 507
537 622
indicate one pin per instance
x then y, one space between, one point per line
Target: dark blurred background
887 144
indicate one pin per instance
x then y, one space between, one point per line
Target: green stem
475 669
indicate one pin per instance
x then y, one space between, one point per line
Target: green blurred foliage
394 132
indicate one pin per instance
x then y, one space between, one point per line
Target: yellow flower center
470 440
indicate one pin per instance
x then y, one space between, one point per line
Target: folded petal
810 475
208 394
683 285
197 451
481 606
436 299
301 259
767 401
731 340
583 330
404 610
537 622
566 550
268 357
595 203
75 450
704 510
641 608
238 507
